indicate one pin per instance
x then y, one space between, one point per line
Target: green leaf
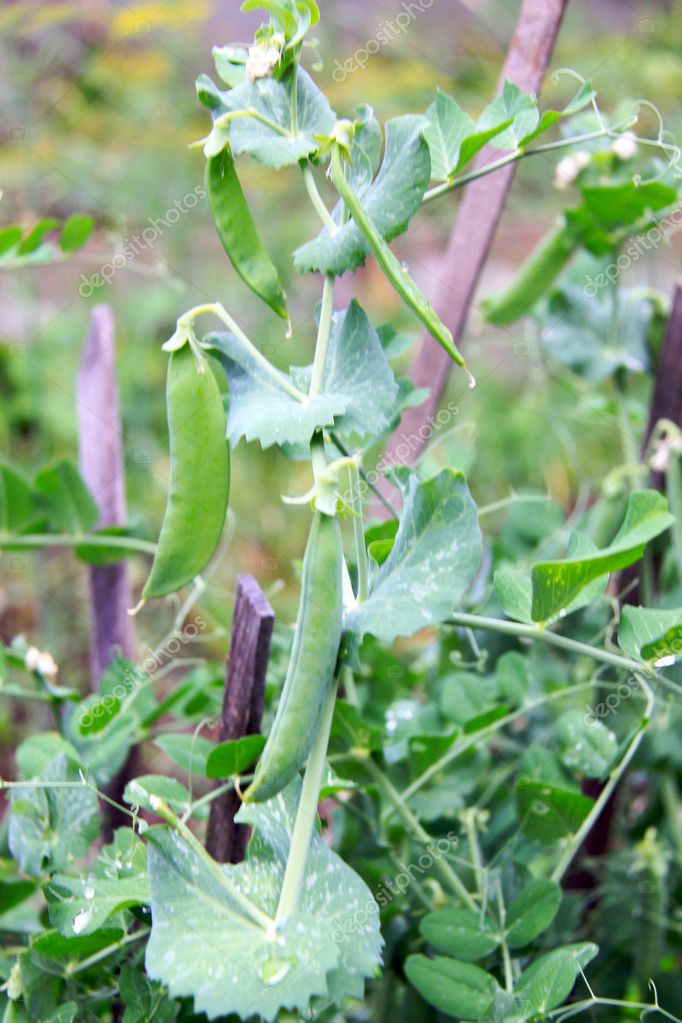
234 757
549 980
513 677
230 63
578 332
35 237
357 375
459 932
272 100
38 750
19 506
50 828
190 752
532 911
141 791
76 231
588 748
549 118
458 989
390 201
452 136
80 905
260 409
324 949
436 553
616 206
651 634
512 104
557 583
95 554
68 502
548 813
9 236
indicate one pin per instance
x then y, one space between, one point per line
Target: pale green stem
358 532
458 748
589 1003
92 960
519 154
323 335
305 819
506 958
249 908
468 818
209 797
673 482
219 310
32 694
505 502
414 826
614 777
37 540
316 199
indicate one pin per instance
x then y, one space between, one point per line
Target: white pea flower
568 169
263 57
40 661
625 147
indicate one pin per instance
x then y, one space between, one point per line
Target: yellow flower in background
139 18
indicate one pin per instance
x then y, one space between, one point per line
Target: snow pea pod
310 673
239 234
539 271
393 269
200 474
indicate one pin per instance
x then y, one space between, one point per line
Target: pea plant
502 837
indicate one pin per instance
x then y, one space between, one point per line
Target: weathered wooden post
247 664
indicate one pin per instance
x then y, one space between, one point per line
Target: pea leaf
81 905
455 988
557 583
324 949
585 748
548 813
260 409
20 510
452 136
435 555
234 757
532 911
511 105
459 932
391 201
75 232
50 828
514 587
65 495
278 145
357 375
651 634
578 332
549 118
190 752
140 792
550 979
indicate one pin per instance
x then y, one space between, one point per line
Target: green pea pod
391 265
539 271
310 674
200 475
239 234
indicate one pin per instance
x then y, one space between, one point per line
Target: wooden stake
247 664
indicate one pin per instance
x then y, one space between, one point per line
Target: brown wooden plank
247 664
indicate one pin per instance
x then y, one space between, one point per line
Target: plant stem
540 635
506 958
606 793
248 908
305 819
316 199
414 826
323 335
517 154
338 443
673 486
358 533
85 964
38 540
468 741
